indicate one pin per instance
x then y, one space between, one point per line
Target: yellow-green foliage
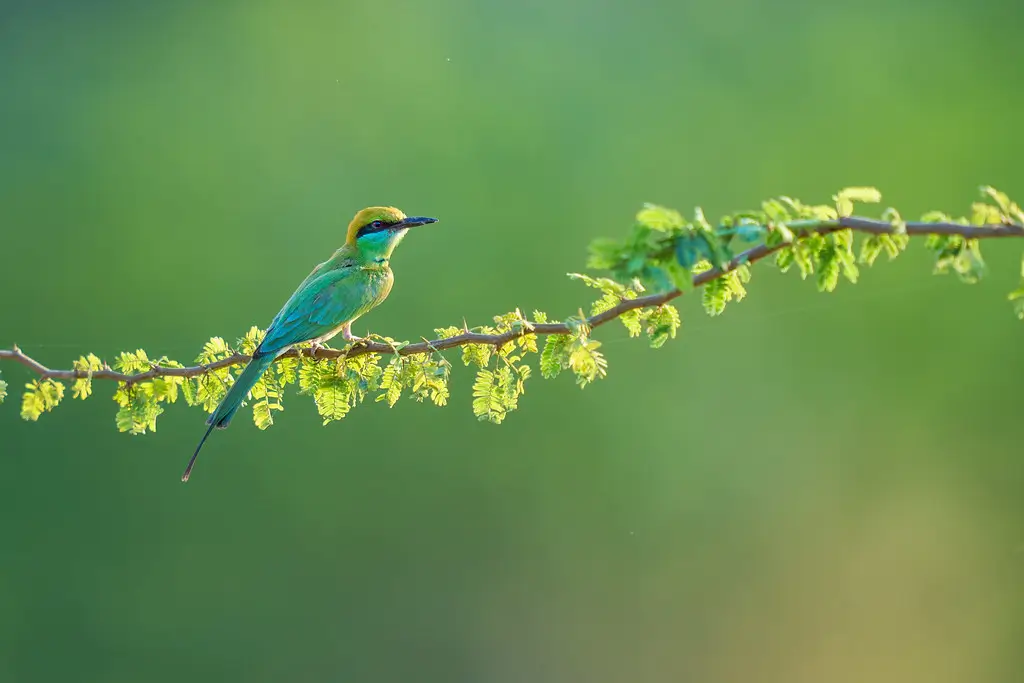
140 403
662 253
42 397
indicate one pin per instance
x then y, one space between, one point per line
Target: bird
354 280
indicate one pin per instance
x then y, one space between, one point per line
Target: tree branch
801 228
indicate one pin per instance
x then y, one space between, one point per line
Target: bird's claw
310 351
346 334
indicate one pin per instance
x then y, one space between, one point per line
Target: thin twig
799 228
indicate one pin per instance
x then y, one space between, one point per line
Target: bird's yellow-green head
376 230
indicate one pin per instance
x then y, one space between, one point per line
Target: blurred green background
810 489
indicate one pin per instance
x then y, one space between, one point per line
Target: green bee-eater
354 280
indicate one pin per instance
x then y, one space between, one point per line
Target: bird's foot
346 334
310 351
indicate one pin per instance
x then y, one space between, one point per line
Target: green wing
323 303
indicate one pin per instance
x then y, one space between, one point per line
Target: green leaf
447 332
794 206
495 394
477 354
828 269
1008 209
846 197
554 358
969 265
605 254
190 389
266 397
515 322
936 217
528 343
678 276
430 379
3 390
604 284
339 385
310 373
138 412
726 288
899 225
123 420
335 391
848 266
165 389
487 398
521 374
214 350
586 361
785 258
894 244
287 371
631 321
864 195
42 397
985 214
659 218
610 300
715 296
251 340
777 211
779 235
662 325
959 255
842 241
140 403
802 256
81 388
870 248
131 363
211 388
392 381
614 293
262 414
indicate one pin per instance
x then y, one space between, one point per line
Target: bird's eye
377 224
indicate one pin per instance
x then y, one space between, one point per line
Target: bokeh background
811 488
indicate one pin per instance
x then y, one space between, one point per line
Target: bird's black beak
413 221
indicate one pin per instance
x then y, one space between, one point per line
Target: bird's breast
378 284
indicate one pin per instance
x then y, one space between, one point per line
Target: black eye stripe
370 227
